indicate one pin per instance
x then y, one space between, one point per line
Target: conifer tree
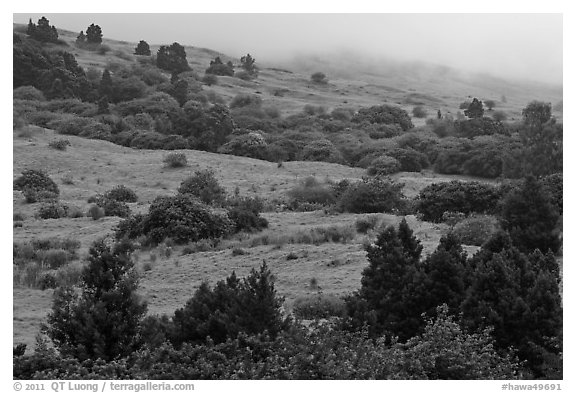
94 34
106 86
142 49
531 218
475 109
103 321
81 39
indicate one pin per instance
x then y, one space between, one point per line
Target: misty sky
522 46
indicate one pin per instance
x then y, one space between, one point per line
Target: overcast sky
524 46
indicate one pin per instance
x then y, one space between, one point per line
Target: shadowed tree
142 49
475 110
94 34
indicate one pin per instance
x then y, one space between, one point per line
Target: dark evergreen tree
81 39
248 64
519 296
106 85
475 110
94 34
142 49
384 301
180 91
219 68
530 216
537 113
249 306
103 320
443 279
31 30
172 58
103 107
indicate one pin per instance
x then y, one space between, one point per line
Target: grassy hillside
167 282
89 167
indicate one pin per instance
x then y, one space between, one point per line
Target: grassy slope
96 166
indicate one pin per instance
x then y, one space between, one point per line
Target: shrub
383 165
310 190
410 160
384 114
28 93
53 210
210 79
204 185
419 112
176 160
456 196
121 193
113 207
59 144
319 306
81 126
33 196
476 230
243 100
244 75
319 77
181 217
245 214
36 181
54 258
374 195
321 150
363 225
499 116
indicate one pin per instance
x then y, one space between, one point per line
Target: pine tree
106 86
172 58
383 301
142 49
531 218
475 109
81 39
31 30
94 34
102 321
248 63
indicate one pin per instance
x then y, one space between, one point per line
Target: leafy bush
204 185
383 165
36 181
374 195
243 100
81 126
96 212
181 217
319 77
456 196
310 190
176 160
363 225
319 306
121 193
245 214
29 93
410 160
113 207
419 112
384 114
210 79
53 210
476 230
321 150
59 144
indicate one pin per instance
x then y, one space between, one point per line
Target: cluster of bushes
42 263
190 215
369 195
456 196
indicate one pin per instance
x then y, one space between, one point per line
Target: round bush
184 219
59 144
204 185
374 195
476 230
113 207
383 165
53 210
121 193
176 160
28 93
96 212
36 180
419 112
